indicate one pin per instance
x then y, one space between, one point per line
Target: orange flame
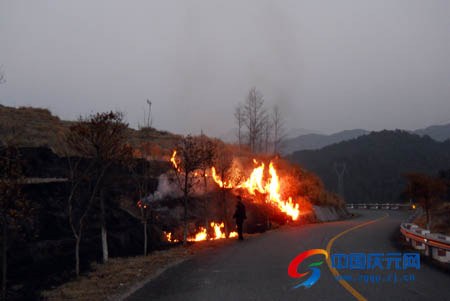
139 204
218 231
202 234
199 236
219 181
174 162
169 238
255 180
271 189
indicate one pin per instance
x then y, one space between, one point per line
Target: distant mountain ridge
376 163
318 141
437 132
296 132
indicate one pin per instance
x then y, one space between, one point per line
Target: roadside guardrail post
431 244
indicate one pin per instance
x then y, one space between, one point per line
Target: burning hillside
202 186
199 192
266 185
257 183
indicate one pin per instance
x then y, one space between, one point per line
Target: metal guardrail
381 206
431 244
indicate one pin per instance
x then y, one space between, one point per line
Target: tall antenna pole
149 123
339 168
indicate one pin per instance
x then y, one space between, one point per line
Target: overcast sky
330 65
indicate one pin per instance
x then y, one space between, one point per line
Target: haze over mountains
317 141
377 162
230 135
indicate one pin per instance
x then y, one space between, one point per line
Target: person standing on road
240 216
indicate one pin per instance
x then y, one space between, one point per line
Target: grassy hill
37 127
376 163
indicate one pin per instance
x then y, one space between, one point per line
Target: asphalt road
256 269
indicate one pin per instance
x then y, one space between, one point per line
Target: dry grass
34 127
109 281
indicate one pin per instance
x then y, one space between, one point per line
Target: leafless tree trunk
267 131
225 213
186 191
103 229
224 201
428 190
101 137
254 113
145 222
240 120
209 151
76 177
145 238
2 77
278 129
191 158
141 181
223 164
205 202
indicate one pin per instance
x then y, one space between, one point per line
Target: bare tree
208 153
188 159
77 206
255 113
278 129
239 115
267 133
225 174
2 77
427 190
101 137
140 171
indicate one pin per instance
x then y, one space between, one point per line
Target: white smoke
168 188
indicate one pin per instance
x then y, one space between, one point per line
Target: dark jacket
239 214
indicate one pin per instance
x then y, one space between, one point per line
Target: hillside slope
376 163
36 127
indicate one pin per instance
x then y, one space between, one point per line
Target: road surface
256 269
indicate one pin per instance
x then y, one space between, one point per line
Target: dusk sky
330 65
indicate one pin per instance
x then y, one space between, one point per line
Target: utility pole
340 168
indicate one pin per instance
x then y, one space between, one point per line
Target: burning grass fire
219 233
258 180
